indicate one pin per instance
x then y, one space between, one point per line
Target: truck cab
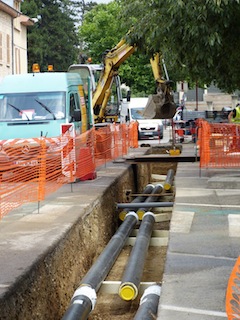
38 104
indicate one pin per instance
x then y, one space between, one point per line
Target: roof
25 20
38 82
9 10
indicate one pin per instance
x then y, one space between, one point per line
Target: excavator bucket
159 107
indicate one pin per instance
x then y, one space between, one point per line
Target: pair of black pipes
84 298
128 289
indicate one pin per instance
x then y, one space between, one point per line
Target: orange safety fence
219 144
233 293
31 169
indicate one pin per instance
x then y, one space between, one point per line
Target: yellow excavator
160 105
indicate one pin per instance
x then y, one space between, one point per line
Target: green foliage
53 39
101 30
199 39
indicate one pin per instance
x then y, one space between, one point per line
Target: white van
147 128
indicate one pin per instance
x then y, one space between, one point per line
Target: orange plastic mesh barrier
219 145
85 159
233 293
31 169
133 134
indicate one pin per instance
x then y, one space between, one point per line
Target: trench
109 303
46 289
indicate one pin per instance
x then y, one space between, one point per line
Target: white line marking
234 225
196 311
203 256
181 221
208 205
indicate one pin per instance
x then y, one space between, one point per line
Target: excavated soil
46 291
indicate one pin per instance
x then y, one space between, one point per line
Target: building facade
13 38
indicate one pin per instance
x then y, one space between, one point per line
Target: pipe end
167 186
140 214
128 291
122 215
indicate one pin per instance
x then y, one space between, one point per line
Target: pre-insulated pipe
145 205
82 303
98 272
128 289
148 189
149 304
105 261
169 180
157 190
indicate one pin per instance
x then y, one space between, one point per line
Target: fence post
42 169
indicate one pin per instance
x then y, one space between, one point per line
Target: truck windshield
32 106
137 113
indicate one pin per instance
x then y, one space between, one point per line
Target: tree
53 39
101 30
199 39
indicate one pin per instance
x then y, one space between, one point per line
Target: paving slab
204 240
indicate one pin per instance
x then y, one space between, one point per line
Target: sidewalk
203 243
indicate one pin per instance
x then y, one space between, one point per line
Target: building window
16 5
8 49
17 61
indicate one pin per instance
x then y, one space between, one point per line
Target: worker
234 115
234 118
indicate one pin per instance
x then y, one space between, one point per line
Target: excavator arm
159 106
112 61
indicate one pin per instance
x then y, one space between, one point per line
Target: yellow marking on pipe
128 291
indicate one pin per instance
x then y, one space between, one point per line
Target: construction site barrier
31 169
219 144
232 295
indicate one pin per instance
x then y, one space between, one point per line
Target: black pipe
148 189
145 205
149 304
81 304
128 289
169 180
157 190
98 272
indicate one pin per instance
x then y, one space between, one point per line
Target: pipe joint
132 213
159 185
86 291
154 289
150 185
149 213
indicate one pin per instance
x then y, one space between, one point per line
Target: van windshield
32 106
137 113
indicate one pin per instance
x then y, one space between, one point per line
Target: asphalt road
151 141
